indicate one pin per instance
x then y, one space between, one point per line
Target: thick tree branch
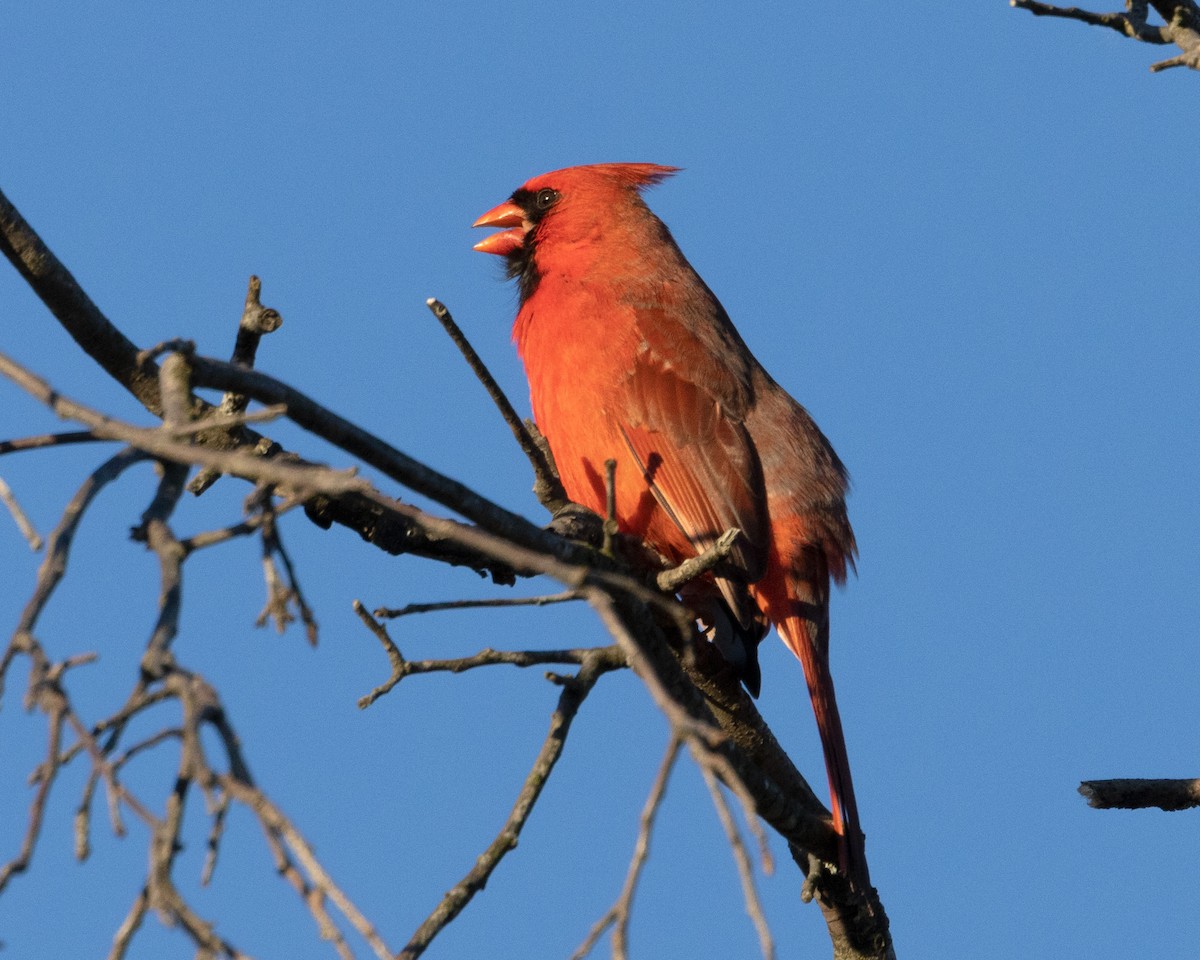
81 318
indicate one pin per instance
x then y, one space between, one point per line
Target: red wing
701 466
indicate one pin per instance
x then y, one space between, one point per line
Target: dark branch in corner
1132 794
1181 25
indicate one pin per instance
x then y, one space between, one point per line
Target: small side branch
19 517
391 613
47 440
282 591
487 657
547 486
257 321
1133 794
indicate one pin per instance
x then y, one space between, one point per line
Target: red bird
630 356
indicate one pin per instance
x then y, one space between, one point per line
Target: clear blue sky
964 238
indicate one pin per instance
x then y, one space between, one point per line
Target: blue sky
962 237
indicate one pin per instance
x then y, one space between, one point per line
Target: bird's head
565 204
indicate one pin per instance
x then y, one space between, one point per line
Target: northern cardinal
630 356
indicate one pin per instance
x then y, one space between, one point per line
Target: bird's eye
546 198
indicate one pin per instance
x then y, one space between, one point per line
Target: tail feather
805 630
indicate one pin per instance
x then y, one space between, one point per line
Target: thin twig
226 421
256 322
610 506
280 594
744 868
619 913
487 657
574 690
18 515
37 807
54 565
548 486
390 613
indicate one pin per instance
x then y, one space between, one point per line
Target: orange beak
508 214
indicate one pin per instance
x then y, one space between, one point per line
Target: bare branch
488 657
1130 25
54 564
59 291
256 322
37 807
281 595
159 444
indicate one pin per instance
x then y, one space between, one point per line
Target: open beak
506 242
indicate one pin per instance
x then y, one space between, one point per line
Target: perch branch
645 619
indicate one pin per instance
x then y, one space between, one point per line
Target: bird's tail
804 627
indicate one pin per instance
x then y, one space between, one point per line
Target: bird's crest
640 176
